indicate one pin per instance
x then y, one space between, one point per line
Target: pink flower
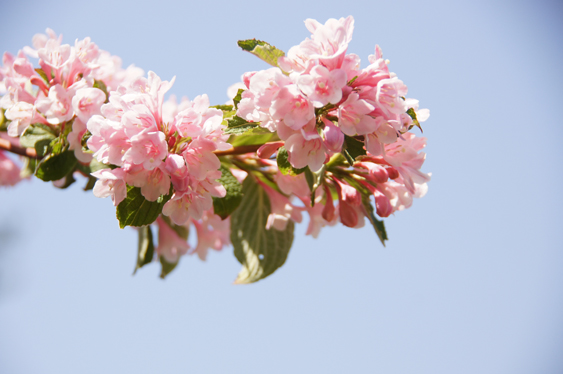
306 152
292 107
57 107
147 148
110 183
87 102
323 86
212 233
170 245
353 118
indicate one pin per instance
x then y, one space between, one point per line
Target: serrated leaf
378 225
225 206
145 252
166 267
284 166
137 211
264 51
238 126
38 136
55 167
415 122
353 148
260 251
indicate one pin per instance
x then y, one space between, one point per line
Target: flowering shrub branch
313 135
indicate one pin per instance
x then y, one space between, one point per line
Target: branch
7 146
30 152
239 150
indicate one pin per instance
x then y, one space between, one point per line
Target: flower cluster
314 135
154 150
70 85
318 100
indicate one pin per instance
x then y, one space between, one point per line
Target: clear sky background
470 282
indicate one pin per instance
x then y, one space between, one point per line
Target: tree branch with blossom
314 135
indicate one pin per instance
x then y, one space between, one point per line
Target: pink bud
348 215
268 149
382 204
333 137
393 173
328 210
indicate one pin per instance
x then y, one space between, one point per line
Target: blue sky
470 281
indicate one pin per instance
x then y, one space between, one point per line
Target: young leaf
145 253
42 74
377 224
137 211
262 50
256 135
415 122
283 163
102 86
3 121
29 167
238 126
167 267
223 207
37 136
353 148
260 251
55 167
223 107
237 98
314 180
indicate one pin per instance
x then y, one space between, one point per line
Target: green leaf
377 224
182 231
353 148
137 211
224 108
55 167
283 163
167 267
238 126
412 114
260 251
90 184
102 86
145 251
67 181
29 167
314 180
42 74
257 135
223 207
238 98
262 50
38 136
3 121
92 167
352 81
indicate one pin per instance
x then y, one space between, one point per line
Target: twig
7 146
